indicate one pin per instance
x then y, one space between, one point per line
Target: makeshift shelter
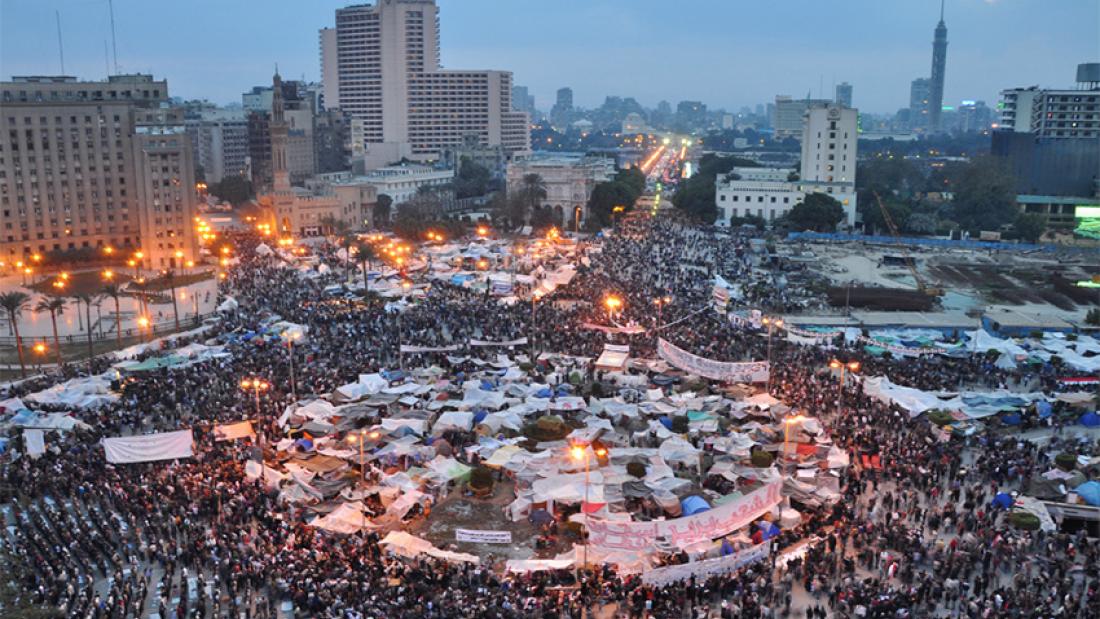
613 358
1090 420
693 504
1089 492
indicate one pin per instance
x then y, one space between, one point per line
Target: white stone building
569 180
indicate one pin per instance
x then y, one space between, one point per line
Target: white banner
233 431
412 349
483 537
36 442
751 372
682 532
519 342
702 570
148 447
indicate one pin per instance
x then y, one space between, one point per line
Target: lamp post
837 364
256 385
361 438
661 302
771 323
535 297
787 423
580 452
614 304
290 339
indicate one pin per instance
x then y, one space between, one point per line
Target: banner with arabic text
751 372
682 532
702 570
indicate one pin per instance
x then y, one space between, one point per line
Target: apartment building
95 164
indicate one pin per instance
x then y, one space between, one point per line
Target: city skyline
588 55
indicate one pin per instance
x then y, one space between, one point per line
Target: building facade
95 164
219 138
939 70
389 79
569 180
920 93
828 165
787 121
844 94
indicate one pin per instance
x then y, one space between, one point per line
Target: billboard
1088 221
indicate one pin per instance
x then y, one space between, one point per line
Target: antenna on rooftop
60 45
114 42
106 58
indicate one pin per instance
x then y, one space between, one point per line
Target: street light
360 439
578 453
851 366
613 303
256 385
536 296
787 423
770 323
661 302
291 337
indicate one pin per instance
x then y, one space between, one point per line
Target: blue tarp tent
665 421
1043 408
663 380
480 416
544 393
1089 492
769 529
1090 420
1003 500
693 504
304 443
486 385
1011 419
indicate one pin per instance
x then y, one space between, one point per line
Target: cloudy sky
727 53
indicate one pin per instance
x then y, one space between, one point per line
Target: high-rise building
389 79
919 96
300 105
939 66
1054 112
691 114
95 164
219 138
562 112
330 70
523 101
844 94
788 120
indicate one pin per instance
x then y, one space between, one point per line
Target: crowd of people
913 536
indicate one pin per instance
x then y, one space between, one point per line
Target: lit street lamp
361 438
787 423
852 366
770 323
661 302
578 453
614 305
256 385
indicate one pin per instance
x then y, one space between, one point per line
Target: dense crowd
915 536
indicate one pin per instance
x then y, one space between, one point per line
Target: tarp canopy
1089 492
693 504
148 447
404 544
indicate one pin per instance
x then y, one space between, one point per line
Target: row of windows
747 198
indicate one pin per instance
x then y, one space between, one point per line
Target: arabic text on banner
483 537
707 568
682 532
751 372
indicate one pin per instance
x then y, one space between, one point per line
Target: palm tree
114 291
344 238
88 300
170 279
55 306
534 191
365 253
14 303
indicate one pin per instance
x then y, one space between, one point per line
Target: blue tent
727 547
480 416
663 380
1011 419
486 385
304 443
1043 408
770 529
1090 420
1003 500
544 393
693 504
1089 492
665 421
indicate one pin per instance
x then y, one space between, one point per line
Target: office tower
939 65
787 121
95 164
691 114
919 96
565 99
1056 112
523 101
330 69
844 94
219 138
389 78
562 112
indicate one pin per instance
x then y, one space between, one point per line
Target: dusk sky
727 53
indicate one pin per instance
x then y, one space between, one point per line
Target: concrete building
920 92
95 164
523 101
787 121
219 138
562 112
844 94
633 123
300 108
389 79
939 68
828 166
973 116
1055 113
569 178
330 69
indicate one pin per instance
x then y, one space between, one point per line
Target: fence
930 242
99 335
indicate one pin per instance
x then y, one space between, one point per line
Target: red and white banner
148 447
751 372
682 532
702 570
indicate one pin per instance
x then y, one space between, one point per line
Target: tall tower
279 132
939 65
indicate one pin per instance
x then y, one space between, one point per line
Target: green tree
472 179
818 211
605 197
872 214
695 196
340 233
383 208
55 306
1030 226
533 190
985 195
15 303
416 215
88 300
921 223
752 220
365 254
233 189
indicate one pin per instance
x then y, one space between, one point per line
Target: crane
909 262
